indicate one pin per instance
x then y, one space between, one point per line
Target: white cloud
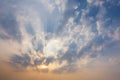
90 1
95 2
56 65
116 35
53 47
51 5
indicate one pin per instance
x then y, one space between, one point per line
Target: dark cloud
26 60
23 60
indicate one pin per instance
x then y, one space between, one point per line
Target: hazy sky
59 39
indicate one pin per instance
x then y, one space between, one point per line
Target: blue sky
60 36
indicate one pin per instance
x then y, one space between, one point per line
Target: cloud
53 37
8 23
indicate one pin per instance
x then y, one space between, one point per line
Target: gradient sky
59 39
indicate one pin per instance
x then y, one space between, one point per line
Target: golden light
43 67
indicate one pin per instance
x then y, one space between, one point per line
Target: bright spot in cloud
43 67
52 47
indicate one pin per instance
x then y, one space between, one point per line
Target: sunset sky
59 39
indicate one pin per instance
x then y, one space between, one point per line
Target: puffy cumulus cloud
56 35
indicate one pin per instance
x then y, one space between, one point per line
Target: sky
59 39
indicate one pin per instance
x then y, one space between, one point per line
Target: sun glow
43 67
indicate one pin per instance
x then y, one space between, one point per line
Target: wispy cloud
58 36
